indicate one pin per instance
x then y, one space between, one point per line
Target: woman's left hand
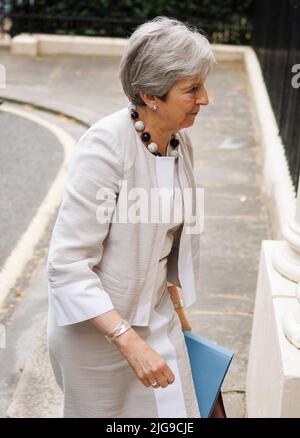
175 297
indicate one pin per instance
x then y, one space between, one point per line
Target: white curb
44 44
23 251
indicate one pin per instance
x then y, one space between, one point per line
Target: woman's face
183 102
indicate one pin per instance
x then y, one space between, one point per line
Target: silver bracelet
122 327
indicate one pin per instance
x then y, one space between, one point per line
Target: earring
154 108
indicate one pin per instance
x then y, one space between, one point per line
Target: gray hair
161 52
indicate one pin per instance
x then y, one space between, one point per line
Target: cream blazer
95 265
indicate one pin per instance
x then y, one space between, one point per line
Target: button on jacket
98 261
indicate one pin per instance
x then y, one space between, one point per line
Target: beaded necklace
146 137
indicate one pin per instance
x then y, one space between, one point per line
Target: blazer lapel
189 246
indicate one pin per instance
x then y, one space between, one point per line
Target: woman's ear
148 99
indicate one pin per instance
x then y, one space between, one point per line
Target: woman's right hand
147 364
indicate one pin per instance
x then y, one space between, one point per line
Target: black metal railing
71 25
119 20
238 32
276 39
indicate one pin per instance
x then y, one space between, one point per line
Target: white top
168 181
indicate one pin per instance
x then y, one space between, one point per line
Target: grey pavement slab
23 328
235 404
83 87
227 164
37 395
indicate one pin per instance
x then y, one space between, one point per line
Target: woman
115 313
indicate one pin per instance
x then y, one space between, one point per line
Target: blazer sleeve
82 224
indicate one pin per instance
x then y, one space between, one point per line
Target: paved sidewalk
227 164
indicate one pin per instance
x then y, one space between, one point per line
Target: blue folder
209 364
